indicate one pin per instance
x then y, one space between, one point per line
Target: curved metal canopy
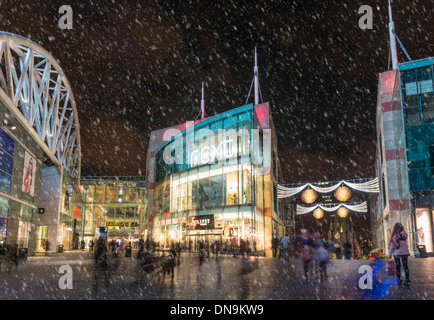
35 89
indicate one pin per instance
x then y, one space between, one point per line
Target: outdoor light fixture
342 212
343 193
318 213
308 196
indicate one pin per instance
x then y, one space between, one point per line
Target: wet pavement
222 278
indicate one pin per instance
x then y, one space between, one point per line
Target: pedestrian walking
306 251
398 247
274 246
330 247
320 255
338 251
46 246
347 250
217 248
280 249
285 247
242 247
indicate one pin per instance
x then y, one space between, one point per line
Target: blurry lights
342 193
342 212
308 196
318 213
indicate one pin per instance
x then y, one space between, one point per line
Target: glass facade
417 93
119 205
207 172
70 218
418 102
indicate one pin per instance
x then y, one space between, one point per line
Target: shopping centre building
40 150
215 179
211 179
117 203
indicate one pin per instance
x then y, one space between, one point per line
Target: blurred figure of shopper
338 251
347 250
285 247
242 248
274 246
306 251
280 249
217 248
398 247
320 255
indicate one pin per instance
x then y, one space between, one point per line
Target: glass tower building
216 180
118 203
405 161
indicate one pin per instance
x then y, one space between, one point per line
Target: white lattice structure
35 89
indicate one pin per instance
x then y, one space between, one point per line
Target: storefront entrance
193 240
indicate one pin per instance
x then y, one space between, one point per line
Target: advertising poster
7 149
29 173
201 222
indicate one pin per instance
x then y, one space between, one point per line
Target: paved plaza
222 278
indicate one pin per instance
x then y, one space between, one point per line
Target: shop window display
424 231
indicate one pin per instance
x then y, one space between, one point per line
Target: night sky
137 66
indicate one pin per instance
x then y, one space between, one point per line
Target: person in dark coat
347 250
242 247
274 245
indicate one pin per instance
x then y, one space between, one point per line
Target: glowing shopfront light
308 196
343 193
318 213
342 212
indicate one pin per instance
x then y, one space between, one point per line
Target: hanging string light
342 212
318 213
308 196
343 193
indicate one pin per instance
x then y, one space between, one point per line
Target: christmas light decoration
308 196
342 212
369 186
343 194
318 213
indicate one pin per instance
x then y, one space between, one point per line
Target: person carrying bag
391 267
399 248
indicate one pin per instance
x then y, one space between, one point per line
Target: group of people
316 252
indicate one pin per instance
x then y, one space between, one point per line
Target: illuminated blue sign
7 150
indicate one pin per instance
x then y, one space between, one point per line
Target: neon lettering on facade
211 153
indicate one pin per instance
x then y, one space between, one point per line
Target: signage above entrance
201 222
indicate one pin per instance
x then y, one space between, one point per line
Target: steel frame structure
35 89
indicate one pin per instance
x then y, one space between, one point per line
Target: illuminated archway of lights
342 193
318 213
342 212
308 196
356 207
35 89
370 186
